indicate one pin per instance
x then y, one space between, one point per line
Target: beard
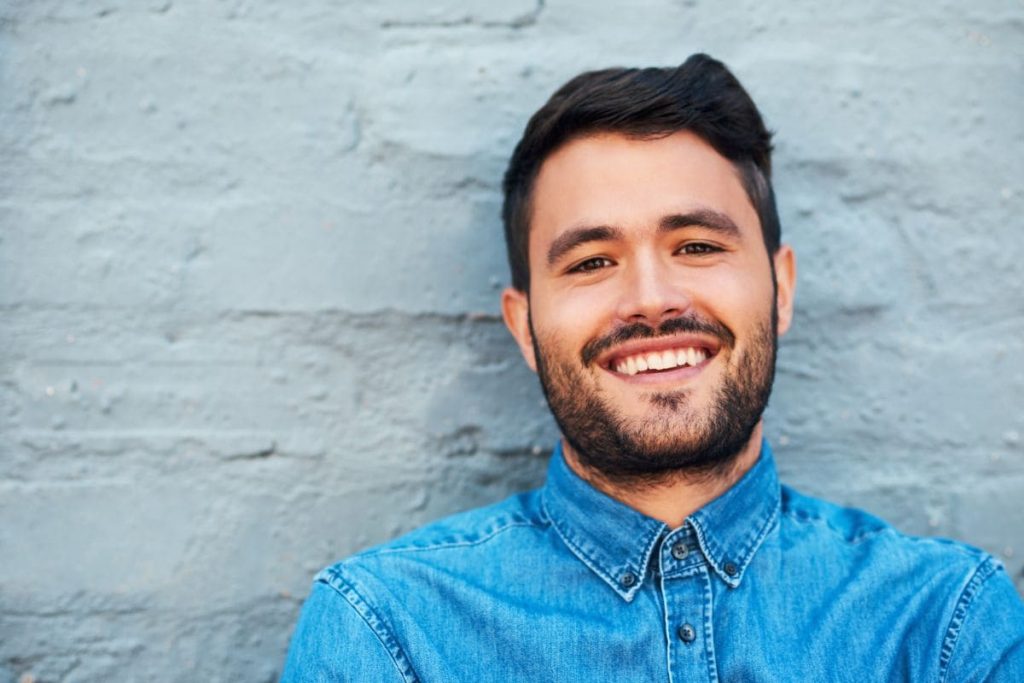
676 438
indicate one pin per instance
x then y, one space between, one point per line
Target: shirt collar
616 542
732 527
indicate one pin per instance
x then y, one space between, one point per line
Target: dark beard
659 448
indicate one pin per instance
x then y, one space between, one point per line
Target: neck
680 495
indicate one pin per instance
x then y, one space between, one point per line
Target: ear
515 308
785 285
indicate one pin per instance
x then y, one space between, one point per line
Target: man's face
652 314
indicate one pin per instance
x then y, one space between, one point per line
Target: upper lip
631 348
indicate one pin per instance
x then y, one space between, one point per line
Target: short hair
701 96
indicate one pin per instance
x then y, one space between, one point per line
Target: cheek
570 319
739 298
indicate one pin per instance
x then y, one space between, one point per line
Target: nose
652 291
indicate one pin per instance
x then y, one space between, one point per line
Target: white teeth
662 360
626 367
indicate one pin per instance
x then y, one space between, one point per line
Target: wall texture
249 266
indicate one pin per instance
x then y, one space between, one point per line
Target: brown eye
698 248
590 264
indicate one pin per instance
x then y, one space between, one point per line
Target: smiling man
651 315
649 290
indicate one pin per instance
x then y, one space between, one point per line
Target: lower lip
683 372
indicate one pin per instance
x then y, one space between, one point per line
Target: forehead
612 179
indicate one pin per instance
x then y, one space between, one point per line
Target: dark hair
701 96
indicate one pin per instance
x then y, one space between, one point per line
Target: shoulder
944 594
456 543
850 528
858 551
845 538
380 594
984 639
469 528
848 525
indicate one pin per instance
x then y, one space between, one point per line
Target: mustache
692 324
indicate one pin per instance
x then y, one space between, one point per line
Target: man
649 290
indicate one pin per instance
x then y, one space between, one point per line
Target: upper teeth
660 360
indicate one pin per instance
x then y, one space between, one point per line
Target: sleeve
334 641
985 639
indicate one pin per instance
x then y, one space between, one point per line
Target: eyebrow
704 218
574 237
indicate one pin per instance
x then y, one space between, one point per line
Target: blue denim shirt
567 584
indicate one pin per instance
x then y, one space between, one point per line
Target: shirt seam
374 622
985 570
800 516
444 545
869 534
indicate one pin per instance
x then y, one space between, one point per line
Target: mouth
673 356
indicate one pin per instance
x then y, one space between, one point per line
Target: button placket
687 594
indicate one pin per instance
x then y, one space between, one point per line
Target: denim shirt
566 584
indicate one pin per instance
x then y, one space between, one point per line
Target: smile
656 361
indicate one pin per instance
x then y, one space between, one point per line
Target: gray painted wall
249 267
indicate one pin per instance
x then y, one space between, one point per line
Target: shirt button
687 634
680 551
628 579
731 569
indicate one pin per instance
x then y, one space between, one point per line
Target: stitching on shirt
649 552
445 544
763 534
592 562
582 554
874 532
709 632
986 569
331 577
573 545
668 637
715 553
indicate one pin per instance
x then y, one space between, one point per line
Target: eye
591 264
698 248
